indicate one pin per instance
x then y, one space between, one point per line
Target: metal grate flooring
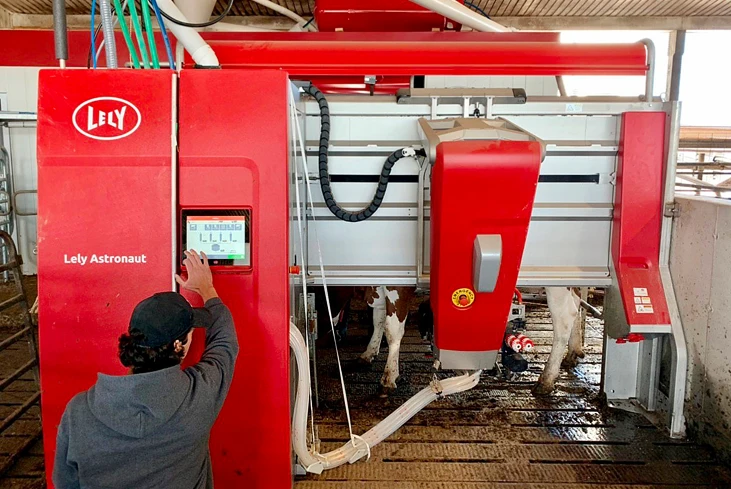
21 446
499 435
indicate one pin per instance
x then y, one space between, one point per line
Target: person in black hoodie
150 429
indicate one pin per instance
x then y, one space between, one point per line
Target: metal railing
27 332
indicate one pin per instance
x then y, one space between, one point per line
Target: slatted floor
27 469
499 435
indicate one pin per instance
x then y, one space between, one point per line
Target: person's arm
65 473
215 369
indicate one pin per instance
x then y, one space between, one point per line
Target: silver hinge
672 209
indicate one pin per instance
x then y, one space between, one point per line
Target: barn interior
482 194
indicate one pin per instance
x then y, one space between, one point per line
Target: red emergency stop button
463 297
294 270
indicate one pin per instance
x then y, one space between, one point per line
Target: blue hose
93 34
477 8
165 38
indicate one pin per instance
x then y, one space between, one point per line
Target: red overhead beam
400 55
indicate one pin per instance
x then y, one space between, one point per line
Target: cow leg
396 312
375 297
564 312
576 346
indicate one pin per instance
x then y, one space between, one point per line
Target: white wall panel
19 88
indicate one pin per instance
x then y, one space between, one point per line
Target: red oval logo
106 118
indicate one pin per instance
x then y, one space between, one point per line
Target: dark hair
142 359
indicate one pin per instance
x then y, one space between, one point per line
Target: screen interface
219 237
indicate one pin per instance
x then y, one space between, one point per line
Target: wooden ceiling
539 14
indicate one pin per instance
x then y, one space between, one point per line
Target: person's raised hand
199 278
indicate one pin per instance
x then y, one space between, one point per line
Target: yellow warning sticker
463 297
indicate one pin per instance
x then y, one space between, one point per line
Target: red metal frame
361 55
378 15
638 215
22 47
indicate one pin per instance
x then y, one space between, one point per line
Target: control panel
222 234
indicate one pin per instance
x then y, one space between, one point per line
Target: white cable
284 11
322 273
303 266
358 446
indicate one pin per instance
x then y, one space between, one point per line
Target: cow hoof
541 389
572 360
364 361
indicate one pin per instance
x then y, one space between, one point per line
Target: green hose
138 32
126 34
150 34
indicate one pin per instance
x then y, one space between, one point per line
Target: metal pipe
593 310
110 48
60 32
677 66
12 339
17 374
561 86
462 15
650 76
679 348
20 411
420 231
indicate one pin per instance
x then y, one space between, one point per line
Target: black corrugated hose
324 174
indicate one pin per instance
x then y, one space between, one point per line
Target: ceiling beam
5 19
29 21
616 23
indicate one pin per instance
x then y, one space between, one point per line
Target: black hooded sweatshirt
151 429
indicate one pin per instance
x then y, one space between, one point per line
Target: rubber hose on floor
324 174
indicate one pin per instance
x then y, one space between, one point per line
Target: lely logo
106 118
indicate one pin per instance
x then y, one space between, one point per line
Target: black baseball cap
165 317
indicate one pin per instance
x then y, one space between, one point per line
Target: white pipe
284 11
199 50
457 12
359 447
196 11
228 27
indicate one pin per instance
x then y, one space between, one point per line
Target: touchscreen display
219 237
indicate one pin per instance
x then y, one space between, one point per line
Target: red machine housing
478 188
250 442
638 214
126 184
98 198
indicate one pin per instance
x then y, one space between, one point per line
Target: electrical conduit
360 447
110 49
